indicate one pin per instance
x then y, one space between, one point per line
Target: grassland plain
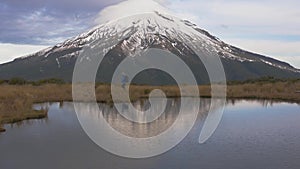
16 101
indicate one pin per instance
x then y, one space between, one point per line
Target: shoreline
35 114
16 101
44 113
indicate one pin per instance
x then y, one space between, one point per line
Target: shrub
147 91
17 81
2 82
48 81
52 81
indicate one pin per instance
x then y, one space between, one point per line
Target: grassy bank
16 100
266 88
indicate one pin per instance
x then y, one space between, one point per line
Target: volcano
154 28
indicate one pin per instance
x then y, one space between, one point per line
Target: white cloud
128 8
8 52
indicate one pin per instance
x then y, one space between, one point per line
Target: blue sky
270 27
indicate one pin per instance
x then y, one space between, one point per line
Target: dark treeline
21 81
268 79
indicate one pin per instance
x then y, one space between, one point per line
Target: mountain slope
140 32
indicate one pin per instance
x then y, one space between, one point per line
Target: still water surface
251 135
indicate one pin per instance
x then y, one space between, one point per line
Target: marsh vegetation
18 96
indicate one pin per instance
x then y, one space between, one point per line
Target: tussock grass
284 91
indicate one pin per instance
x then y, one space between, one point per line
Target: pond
251 135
